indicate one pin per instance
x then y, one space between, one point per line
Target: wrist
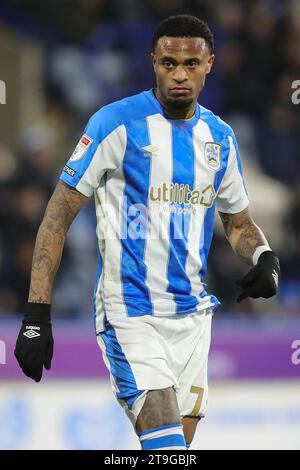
258 252
37 312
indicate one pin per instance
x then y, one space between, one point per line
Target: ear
209 64
153 59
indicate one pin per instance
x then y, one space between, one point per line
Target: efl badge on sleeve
212 152
81 148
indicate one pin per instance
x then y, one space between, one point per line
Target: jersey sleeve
232 196
100 148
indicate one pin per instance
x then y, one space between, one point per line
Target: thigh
132 351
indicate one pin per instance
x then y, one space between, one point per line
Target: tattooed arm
62 208
243 234
33 356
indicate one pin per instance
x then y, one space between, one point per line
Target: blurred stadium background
63 59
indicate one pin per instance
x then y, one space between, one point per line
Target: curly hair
184 26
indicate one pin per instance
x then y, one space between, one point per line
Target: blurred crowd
97 51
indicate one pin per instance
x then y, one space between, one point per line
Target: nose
180 74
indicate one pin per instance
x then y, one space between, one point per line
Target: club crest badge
81 148
212 152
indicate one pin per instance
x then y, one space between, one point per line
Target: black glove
34 347
262 279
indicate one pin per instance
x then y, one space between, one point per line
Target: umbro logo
150 151
275 277
31 333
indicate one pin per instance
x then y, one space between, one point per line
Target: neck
183 114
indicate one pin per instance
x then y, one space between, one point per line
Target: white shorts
150 353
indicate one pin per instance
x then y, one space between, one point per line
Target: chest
163 153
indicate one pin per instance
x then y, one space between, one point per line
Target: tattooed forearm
62 208
227 223
243 234
248 240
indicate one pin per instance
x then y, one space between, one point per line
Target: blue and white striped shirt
156 183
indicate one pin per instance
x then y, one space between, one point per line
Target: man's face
180 66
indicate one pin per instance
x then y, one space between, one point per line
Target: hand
262 279
34 347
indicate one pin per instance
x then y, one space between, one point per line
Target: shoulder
111 116
215 122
